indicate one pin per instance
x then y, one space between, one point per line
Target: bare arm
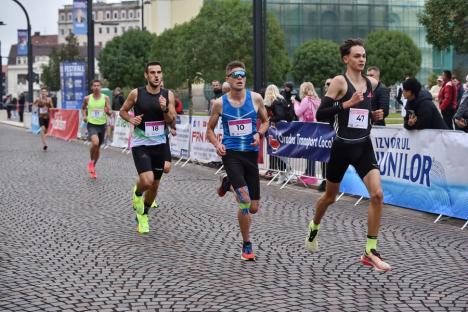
107 108
127 106
169 117
216 111
262 115
84 109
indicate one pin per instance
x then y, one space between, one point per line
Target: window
107 30
108 15
115 30
130 14
22 78
123 14
62 32
123 29
100 43
116 15
62 17
69 31
69 16
138 14
94 16
100 30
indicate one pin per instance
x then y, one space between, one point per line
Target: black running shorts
242 170
44 122
360 155
150 158
98 130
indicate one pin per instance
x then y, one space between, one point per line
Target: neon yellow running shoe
143 225
154 204
138 202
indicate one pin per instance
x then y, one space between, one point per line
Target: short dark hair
447 73
234 64
345 48
152 64
374 68
95 81
44 88
413 85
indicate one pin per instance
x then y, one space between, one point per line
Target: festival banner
64 123
200 148
421 169
22 45
73 84
180 143
80 21
309 140
121 133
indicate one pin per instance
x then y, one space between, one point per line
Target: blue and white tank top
239 124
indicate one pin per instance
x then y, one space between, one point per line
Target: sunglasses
328 83
238 74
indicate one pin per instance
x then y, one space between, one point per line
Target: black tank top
148 105
348 134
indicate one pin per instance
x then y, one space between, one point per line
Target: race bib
154 128
43 110
358 118
97 113
240 127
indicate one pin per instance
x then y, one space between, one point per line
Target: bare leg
150 193
145 181
244 219
94 150
43 135
325 200
374 187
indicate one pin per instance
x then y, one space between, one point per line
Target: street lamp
259 25
30 55
1 67
143 2
90 74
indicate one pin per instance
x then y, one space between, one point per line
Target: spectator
217 92
277 108
323 184
459 87
400 99
461 116
289 93
448 98
117 99
421 112
381 98
435 89
21 104
14 107
8 106
305 111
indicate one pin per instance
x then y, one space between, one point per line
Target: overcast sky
43 15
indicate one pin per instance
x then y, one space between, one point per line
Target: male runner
44 103
154 109
239 110
96 108
352 146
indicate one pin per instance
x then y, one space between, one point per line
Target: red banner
64 123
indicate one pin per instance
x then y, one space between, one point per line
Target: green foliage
69 52
220 33
316 61
432 79
123 59
394 53
446 23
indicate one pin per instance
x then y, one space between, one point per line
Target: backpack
309 112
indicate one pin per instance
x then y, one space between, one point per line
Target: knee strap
244 203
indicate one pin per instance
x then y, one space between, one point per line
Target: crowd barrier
422 170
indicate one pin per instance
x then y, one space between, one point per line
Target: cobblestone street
69 243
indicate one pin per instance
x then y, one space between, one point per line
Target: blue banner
22 45
308 140
80 21
35 128
73 84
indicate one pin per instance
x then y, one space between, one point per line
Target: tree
123 59
316 61
220 33
446 23
394 53
68 52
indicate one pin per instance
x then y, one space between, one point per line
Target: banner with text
22 45
73 84
180 144
80 20
300 140
121 132
423 170
64 123
35 128
200 148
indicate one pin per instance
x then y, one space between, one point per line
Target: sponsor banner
22 45
80 21
64 123
73 84
109 135
200 148
121 132
35 128
423 170
300 140
180 144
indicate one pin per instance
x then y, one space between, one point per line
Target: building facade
110 20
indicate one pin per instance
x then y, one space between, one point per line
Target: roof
37 39
46 50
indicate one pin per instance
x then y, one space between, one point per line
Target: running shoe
154 204
142 223
247 252
374 259
44 148
93 175
91 167
225 185
311 241
138 202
